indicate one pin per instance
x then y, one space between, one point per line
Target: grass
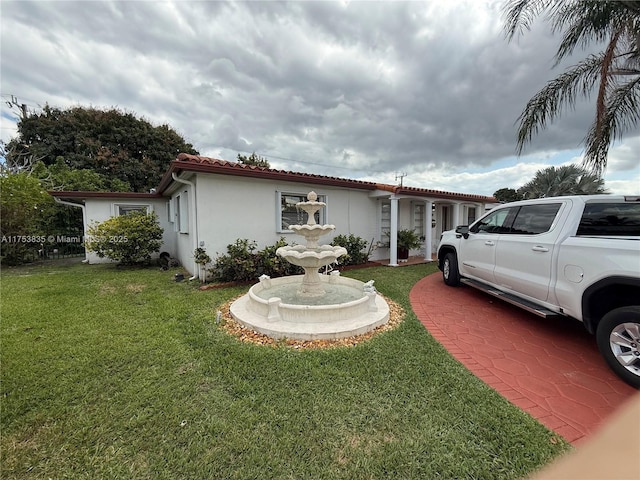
123 373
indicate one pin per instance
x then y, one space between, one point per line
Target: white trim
115 207
279 193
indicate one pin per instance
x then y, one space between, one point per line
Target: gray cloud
339 88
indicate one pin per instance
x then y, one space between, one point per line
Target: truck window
610 219
535 219
498 221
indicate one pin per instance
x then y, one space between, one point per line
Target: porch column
455 220
393 234
428 240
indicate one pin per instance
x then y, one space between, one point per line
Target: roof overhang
194 163
80 197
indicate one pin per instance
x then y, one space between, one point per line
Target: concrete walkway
550 368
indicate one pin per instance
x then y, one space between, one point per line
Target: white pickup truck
575 256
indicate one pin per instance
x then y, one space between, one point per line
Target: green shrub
128 239
355 246
268 263
243 264
238 265
201 257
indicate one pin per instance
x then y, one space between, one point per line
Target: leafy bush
355 249
21 217
129 239
268 263
243 264
201 257
238 264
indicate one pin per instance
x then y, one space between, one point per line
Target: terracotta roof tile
196 163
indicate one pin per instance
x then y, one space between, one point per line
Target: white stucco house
210 203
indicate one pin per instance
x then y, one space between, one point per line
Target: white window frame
323 213
181 212
169 208
385 223
418 210
130 206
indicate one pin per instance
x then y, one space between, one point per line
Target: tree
129 239
506 195
564 180
21 212
254 159
111 143
614 73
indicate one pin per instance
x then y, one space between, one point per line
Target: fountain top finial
312 196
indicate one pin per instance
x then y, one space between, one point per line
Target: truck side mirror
462 230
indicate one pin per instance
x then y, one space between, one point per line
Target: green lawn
123 373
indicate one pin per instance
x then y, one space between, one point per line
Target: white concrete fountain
312 306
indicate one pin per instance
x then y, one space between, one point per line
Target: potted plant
407 240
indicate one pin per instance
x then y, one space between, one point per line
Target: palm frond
622 114
581 23
562 91
520 14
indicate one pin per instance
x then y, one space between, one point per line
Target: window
127 209
498 221
182 212
535 219
385 222
612 219
418 219
290 214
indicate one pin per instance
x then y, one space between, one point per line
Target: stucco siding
100 209
231 208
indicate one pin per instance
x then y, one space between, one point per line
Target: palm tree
564 180
615 72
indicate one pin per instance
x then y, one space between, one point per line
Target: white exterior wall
101 209
185 236
231 208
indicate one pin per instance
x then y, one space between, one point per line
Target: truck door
476 258
525 254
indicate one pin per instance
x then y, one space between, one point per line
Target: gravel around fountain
244 334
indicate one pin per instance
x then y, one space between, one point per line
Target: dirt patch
133 288
107 290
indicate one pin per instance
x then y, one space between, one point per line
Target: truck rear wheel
450 273
618 337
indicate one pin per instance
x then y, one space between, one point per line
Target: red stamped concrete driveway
550 368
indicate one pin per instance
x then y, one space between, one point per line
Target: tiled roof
427 192
195 163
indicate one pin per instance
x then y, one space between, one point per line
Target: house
209 203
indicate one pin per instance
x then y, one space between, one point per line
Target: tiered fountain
312 306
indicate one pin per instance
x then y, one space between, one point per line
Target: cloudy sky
429 91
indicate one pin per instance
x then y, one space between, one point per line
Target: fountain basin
317 257
360 312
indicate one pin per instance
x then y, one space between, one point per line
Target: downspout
195 221
84 219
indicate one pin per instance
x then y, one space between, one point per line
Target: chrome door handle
490 243
538 248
